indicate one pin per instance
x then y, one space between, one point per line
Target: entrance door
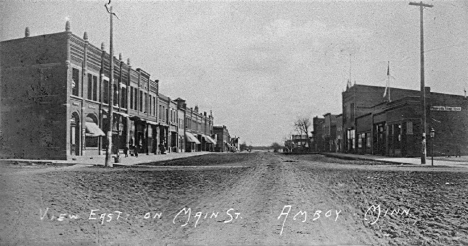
75 135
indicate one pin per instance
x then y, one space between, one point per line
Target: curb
366 159
36 163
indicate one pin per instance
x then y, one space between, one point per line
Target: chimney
26 32
67 26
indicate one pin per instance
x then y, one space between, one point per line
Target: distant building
358 100
339 133
329 132
318 143
223 139
376 125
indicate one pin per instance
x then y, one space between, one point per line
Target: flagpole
388 81
108 162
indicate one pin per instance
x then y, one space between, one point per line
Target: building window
368 142
105 95
90 86
95 88
150 105
76 82
115 100
141 101
123 97
146 103
160 112
409 128
135 98
131 97
154 106
352 111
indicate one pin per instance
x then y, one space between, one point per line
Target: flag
348 85
387 87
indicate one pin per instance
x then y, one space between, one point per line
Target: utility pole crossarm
421 4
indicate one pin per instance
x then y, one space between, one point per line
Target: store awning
116 112
121 113
93 130
151 122
209 139
191 138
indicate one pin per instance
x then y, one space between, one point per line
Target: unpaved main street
234 199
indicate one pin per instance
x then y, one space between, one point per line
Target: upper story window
154 106
131 97
160 112
141 101
135 99
95 88
92 87
105 96
150 105
75 82
123 97
115 100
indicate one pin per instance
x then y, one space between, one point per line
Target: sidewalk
99 159
438 161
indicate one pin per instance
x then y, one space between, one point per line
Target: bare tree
302 126
275 146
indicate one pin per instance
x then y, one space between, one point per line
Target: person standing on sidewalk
137 149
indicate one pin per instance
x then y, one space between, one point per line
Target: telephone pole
423 94
110 116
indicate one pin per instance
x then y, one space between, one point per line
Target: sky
260 65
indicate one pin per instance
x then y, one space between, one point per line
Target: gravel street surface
255 198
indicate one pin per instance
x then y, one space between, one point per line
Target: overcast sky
261 64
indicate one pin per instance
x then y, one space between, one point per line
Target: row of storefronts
55 104
372 122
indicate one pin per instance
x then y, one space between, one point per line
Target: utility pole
110 116
423 94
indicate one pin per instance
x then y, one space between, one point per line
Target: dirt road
279 204
232 199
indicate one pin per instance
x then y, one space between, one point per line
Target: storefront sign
445 108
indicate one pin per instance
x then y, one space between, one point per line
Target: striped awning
209 139
152 122
93 130
191 138
116 112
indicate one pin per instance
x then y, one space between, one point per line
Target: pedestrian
162 149
126 151
137 149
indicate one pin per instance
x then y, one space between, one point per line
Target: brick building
317 134
359 100
375 125
223 138
339 133
54 101
329 132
